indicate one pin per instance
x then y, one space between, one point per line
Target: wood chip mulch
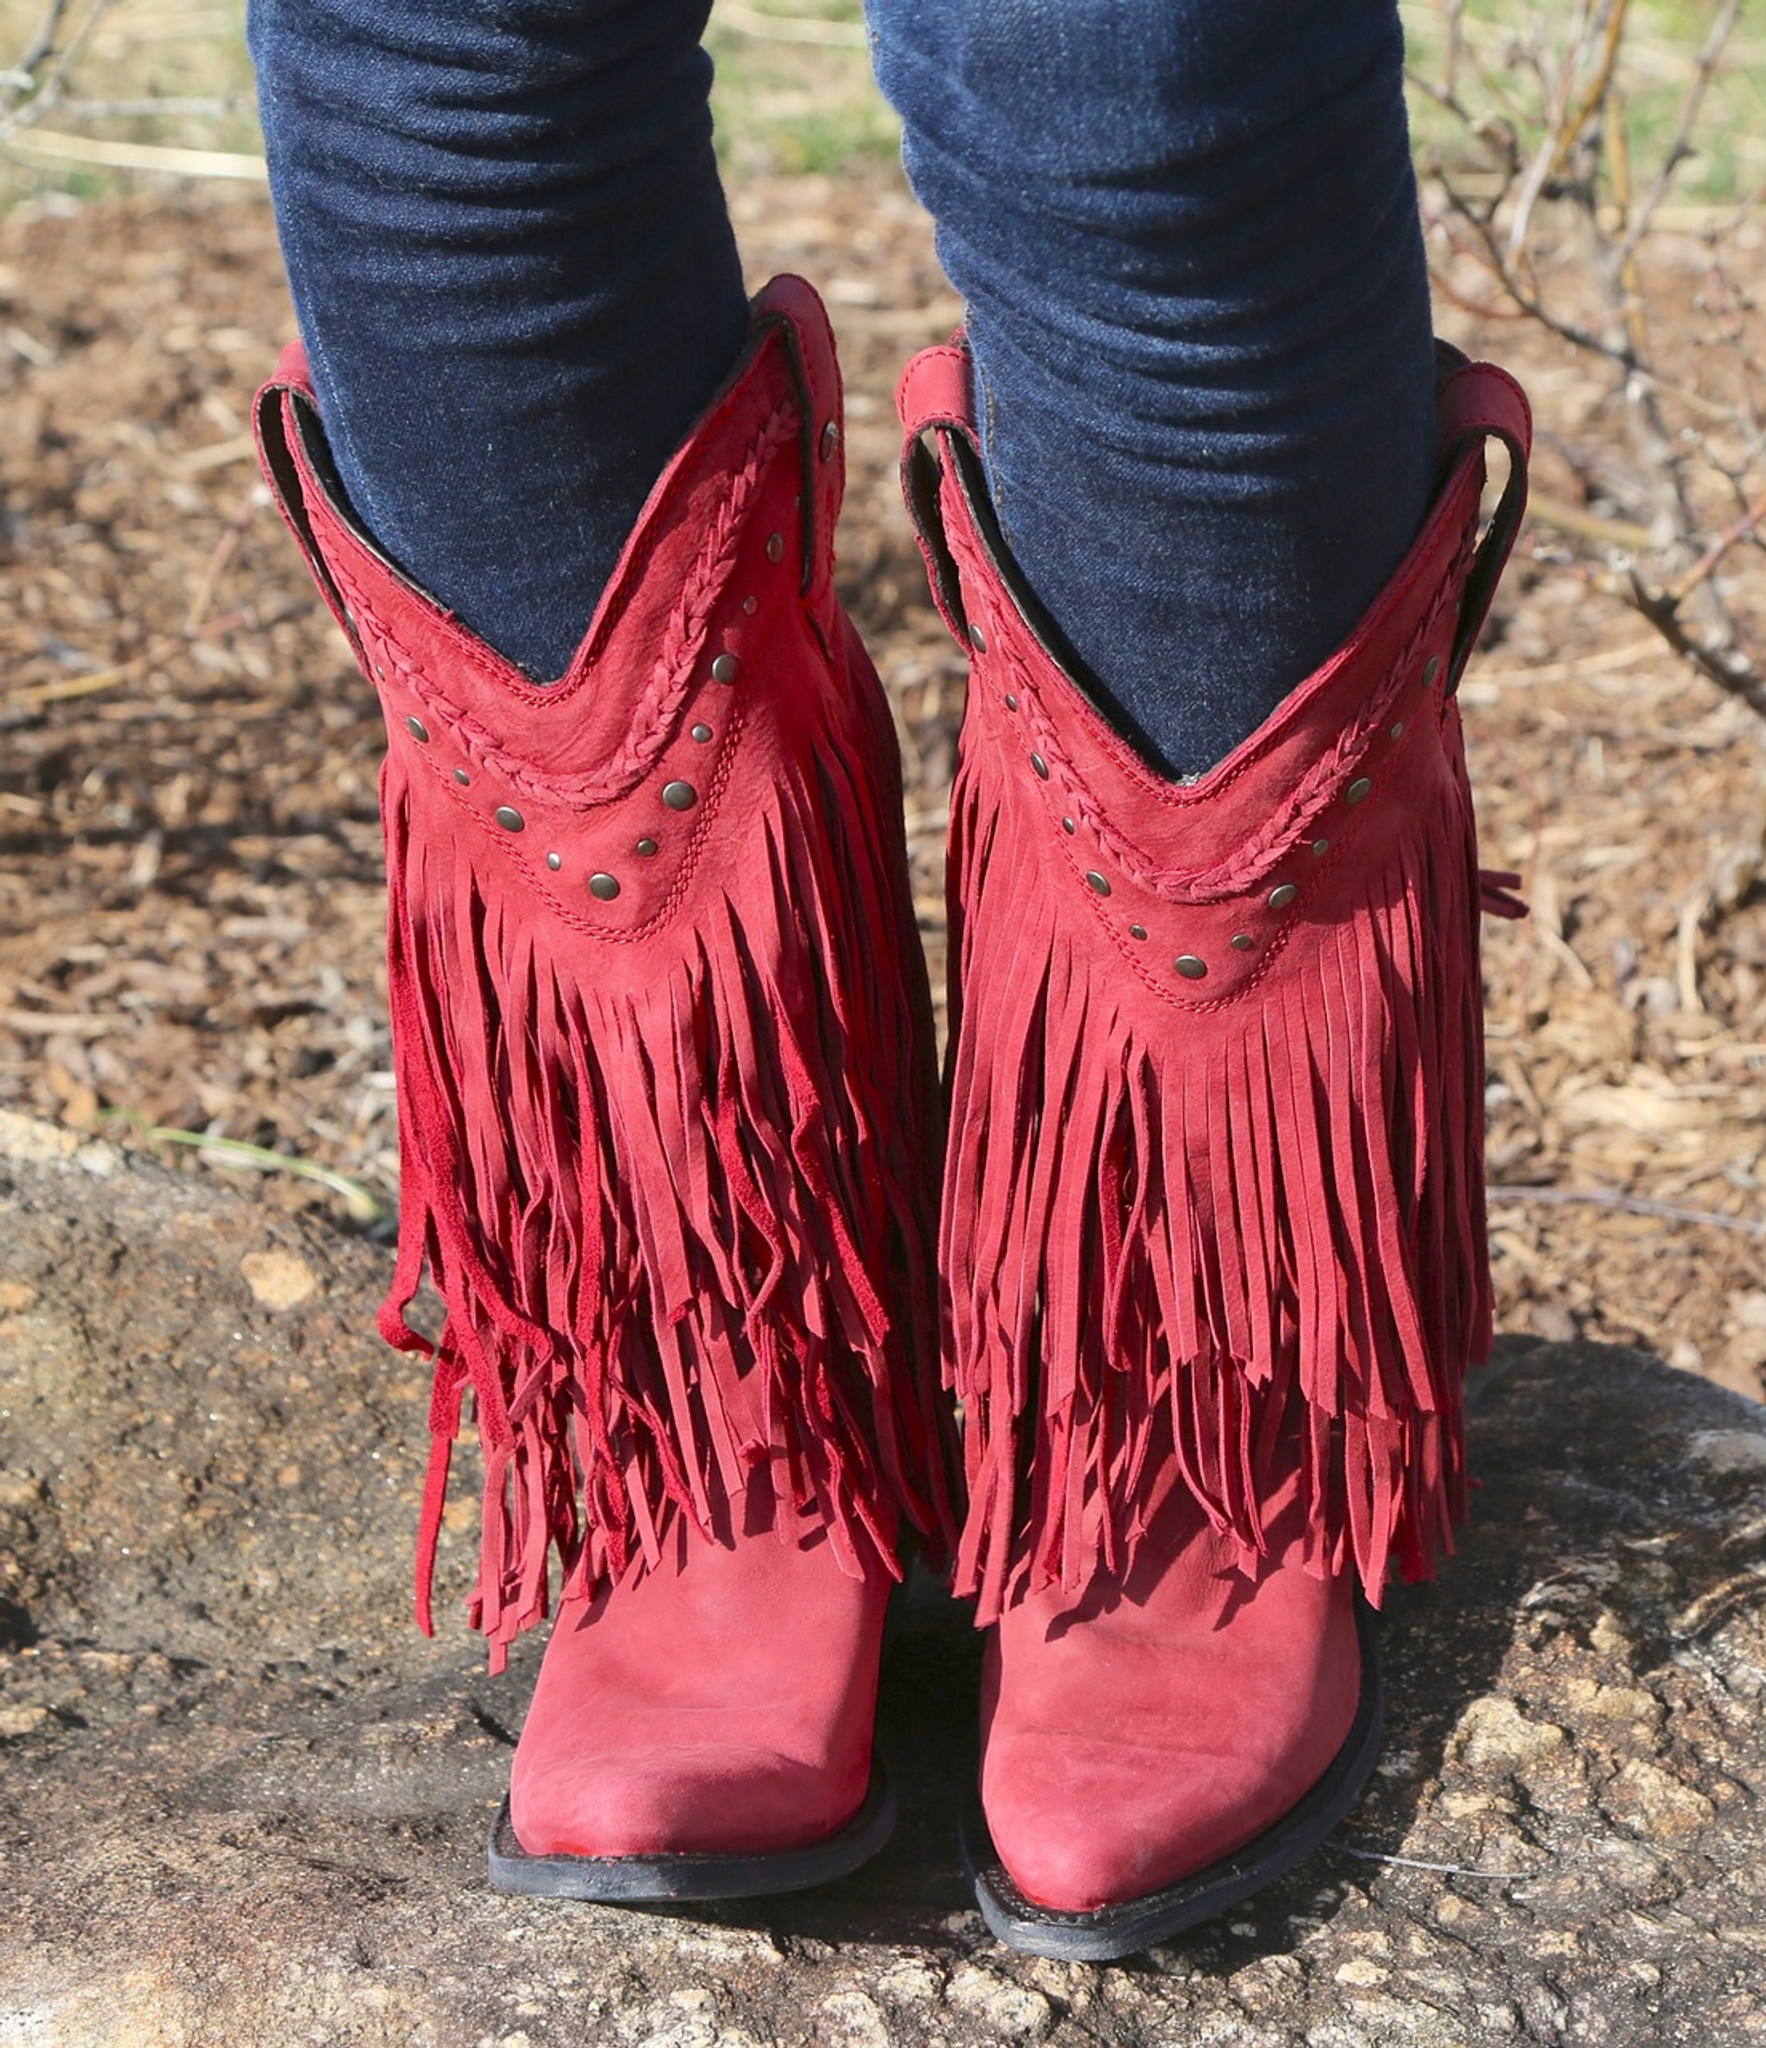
190 900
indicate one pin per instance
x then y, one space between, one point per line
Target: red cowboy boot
664 1066
1213 1236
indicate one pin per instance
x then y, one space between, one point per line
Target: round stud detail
830 439
1011 701
702 733
1398 728
1137 931
417 729
554 861
646 847
1190 967
725 669
1243 942
461 777
775 547
604 886
1431 669
1282 895
1101 883
679 796
1068 826
1360 788
1040 765
751 605
977 638
510 818
1320 847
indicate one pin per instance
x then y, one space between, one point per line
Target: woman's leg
514 275
1186 236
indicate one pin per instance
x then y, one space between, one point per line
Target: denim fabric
514 274
1185 230
1186 234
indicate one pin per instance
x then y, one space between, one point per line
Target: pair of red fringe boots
1211 1261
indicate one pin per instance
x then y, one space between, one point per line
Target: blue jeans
1185 232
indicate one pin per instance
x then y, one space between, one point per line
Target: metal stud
380 671
977 638
751 605
1137 931
1243 942
725 669
646 847
1320 847
1011 701
510 818
1431 669
554 861
461 777
1358 789
604 886
702 733
1398 728
1282 895
1067 826
1040 765
1190 967
1101 883
775 547
417 729
679 796
830 438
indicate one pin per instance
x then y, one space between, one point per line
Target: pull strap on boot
1213 1233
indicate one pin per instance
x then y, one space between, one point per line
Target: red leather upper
709 576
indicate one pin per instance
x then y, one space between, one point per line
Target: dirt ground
189 847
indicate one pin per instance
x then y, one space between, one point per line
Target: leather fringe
654 1213
1187 1239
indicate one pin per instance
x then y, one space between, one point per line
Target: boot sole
636 1880
1111 1932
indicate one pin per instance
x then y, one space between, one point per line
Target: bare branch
1680 148
1731 671
1562 234
39 80
23 75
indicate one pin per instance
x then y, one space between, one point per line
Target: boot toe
1080 1826
680 1800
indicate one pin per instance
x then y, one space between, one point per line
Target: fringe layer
667 1161
677 1221
1254 1237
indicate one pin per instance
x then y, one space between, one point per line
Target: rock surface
244 1804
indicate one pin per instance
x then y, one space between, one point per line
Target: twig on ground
1630 1205
1437 1869
362 1204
